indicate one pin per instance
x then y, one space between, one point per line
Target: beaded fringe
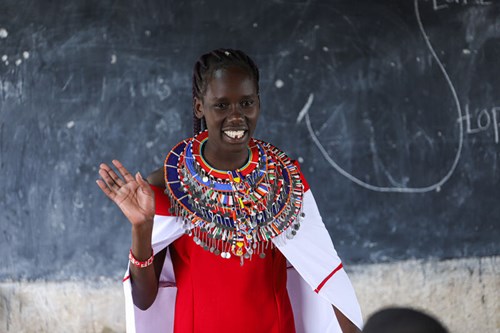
263 205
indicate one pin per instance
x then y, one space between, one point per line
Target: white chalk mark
78 203
3 33
348 175
466 51
305 108
255 25
147 33
325 48
279 83
18 62
5 57
149 144
7 63
67 82
455 98
26 54
437 186
70 124
306 57
103 89
300 159
113 58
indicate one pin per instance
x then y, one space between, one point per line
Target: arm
145 280
345 324
135 199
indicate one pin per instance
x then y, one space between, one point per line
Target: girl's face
231 108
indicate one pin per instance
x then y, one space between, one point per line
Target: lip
234 129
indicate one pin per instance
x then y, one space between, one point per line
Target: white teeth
234 134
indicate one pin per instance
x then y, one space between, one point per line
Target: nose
235 111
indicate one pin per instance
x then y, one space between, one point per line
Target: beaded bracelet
140 264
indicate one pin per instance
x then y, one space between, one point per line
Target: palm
132 195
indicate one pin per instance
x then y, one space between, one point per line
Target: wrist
140 263
141 240
146 226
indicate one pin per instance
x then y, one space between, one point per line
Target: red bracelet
140 264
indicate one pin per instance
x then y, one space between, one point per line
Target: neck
225 160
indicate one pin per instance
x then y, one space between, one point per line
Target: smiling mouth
235 134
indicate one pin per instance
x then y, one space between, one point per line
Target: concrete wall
464 294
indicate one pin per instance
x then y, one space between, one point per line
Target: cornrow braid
207 64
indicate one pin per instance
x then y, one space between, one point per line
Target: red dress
217 295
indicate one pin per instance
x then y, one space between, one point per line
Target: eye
220 106
246 103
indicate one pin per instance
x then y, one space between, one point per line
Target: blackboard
391 107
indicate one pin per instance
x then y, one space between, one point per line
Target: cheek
212 120
254 115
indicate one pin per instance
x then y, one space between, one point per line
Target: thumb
143 183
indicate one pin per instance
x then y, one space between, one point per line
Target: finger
112 174
143 184
105 189
108 180
124 172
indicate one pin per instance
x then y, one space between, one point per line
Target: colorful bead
241 209
140 264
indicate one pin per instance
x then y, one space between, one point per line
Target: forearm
345 324
144 280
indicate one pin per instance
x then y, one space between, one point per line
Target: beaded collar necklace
236 212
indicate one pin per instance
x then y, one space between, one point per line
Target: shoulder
162 202
156 178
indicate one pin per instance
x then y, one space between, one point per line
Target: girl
226 236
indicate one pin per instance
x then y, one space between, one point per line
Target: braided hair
210 62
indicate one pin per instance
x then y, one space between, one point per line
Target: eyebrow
223 98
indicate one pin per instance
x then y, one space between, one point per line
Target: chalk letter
496 124
468 122
483 114
436 6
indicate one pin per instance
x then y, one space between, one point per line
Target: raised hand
131 194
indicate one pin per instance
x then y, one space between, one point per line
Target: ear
198 108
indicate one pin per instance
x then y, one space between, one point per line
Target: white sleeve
320 272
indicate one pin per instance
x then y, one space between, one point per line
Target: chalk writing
304 114
482 120
442 4
11 90
154 87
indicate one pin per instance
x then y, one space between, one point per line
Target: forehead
232 81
